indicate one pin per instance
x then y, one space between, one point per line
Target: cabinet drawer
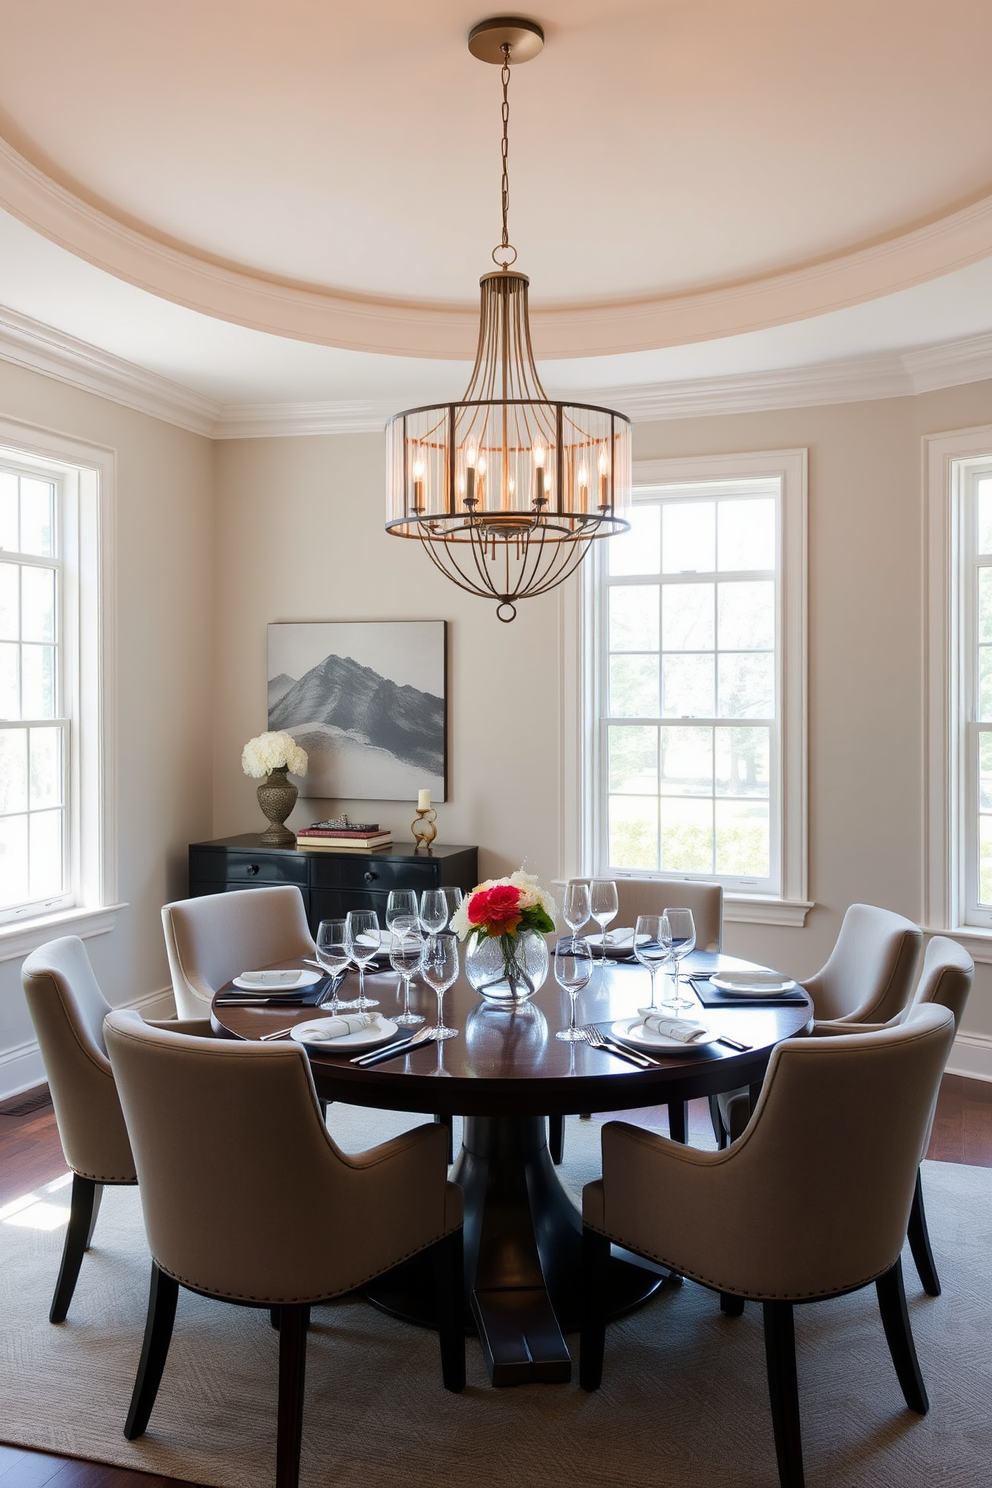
334 904
331 871
245 869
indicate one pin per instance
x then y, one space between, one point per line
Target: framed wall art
367 700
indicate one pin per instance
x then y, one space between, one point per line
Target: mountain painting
366 699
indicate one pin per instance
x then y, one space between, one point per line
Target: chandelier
506 489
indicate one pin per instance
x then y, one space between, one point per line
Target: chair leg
592 1325
84 1207
730 1305
294 1319
556 1138
447 1120
783 1391
899 1337
919 1242
449 1281
163 1295
716 1121
677 1121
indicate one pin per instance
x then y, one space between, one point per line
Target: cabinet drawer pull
371 877
252 869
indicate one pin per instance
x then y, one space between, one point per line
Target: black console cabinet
331 882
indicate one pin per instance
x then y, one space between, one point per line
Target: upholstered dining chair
212 938
868 976
829 1161
270 1213
67 1008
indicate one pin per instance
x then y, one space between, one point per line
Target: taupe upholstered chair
213 938
867 976
68 1009
270 1213
811 1202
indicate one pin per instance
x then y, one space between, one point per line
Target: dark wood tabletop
510 1063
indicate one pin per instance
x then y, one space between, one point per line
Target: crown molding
40 348
278 420
304 312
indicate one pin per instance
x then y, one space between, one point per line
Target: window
57 848
694 683
958 847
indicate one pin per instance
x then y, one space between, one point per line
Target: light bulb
481 465
583 475
539 454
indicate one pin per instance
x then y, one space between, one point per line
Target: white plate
753 983
633 1032
365 1038
276 983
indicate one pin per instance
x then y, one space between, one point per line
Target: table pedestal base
522 1252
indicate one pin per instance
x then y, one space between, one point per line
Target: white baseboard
971 1055
22 1067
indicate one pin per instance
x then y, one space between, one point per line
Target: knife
643 1061
374 1056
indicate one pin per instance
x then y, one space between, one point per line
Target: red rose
496 909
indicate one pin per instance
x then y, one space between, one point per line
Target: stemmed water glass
652 945
434 911
362 940
406 950
401 904
573 968
683 940
603 906
575 910
439 969
453 897
333 954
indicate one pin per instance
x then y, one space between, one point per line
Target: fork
598 1039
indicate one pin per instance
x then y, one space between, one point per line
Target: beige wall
303 540
164 669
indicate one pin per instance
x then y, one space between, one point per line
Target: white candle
423 800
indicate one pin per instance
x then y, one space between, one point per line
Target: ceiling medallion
506 488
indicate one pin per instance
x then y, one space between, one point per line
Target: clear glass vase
507 968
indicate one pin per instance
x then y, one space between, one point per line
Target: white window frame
582 775
950 463
87 477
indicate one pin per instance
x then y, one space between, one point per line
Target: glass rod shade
506 488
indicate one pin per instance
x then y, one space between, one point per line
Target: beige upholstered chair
270 1213
68 1009
213 938
867 976
811 1202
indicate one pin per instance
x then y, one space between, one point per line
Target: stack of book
357 835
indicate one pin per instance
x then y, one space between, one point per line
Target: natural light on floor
35 1211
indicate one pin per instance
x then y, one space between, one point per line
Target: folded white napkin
271 978
682 1029
332 1028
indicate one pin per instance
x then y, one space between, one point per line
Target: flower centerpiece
268 757
505 921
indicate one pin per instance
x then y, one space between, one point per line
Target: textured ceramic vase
277 797
507 969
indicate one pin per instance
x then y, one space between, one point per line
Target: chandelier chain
505 247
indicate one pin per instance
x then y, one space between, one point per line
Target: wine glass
333 954
433 911
405 952
439 969
362 940
683 940
652 945
603 906
573 968
575 910
401 903
453 896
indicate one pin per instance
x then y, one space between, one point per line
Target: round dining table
505 1074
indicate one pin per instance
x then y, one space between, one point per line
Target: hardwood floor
30 1155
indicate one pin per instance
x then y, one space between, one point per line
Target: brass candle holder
423 829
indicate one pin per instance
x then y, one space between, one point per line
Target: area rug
683 1404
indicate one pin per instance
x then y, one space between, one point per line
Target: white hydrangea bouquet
273 751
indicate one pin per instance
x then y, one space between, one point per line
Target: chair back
643 896
946 978
213 938
67 1009
868 975
244 1193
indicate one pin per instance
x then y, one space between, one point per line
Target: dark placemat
711 996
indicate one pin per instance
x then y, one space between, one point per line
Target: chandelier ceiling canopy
507 488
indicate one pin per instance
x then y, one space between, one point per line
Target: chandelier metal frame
506 488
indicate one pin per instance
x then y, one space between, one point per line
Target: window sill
18 939
745 909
